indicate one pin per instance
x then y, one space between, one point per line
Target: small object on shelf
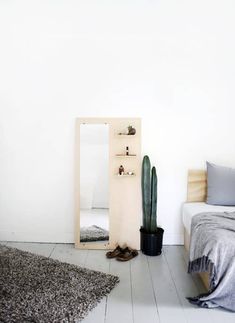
121 155
127 151
131 131
121 170
124 135
128 174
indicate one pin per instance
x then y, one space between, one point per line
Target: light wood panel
124 192
197 186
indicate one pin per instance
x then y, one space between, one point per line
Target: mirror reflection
94 183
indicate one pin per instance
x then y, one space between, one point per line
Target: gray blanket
212 248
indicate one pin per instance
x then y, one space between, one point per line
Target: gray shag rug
93 233
41 290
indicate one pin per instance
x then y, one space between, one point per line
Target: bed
196 196
190 209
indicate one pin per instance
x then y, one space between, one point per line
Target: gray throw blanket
212 249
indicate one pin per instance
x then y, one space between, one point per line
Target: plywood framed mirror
92 158
107 206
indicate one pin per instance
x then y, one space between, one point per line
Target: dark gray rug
38 289
93 233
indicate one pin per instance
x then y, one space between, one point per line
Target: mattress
191 209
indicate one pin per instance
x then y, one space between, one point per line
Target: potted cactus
150 234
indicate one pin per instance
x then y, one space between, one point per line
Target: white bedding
191 209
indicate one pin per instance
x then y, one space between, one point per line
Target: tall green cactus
146 192
149 196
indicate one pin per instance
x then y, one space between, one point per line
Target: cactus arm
153 221
146 192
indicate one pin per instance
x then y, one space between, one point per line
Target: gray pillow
220 185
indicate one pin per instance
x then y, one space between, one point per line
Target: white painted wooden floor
151 289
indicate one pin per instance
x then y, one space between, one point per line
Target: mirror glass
94 183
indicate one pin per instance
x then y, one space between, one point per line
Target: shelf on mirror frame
126 175
125 156
125 135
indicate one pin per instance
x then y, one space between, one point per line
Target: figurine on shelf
121 170
131 131
127 151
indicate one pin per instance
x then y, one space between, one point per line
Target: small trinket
131 131
121 170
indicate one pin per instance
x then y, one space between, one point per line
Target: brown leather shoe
127 254
116 252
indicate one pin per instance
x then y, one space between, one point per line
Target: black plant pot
151 243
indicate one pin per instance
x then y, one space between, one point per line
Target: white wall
169 62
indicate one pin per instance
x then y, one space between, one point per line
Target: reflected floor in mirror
94 225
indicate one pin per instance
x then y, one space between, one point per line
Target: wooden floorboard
119 303
168 301
143 297
67 253
151 289
42 249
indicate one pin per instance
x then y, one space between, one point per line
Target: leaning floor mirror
94 185
107 203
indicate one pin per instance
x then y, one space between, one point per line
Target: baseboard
173 239
50 237
68 237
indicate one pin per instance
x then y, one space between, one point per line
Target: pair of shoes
122 254
115 253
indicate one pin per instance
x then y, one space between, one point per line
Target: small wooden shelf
125 135
125 156
126 175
